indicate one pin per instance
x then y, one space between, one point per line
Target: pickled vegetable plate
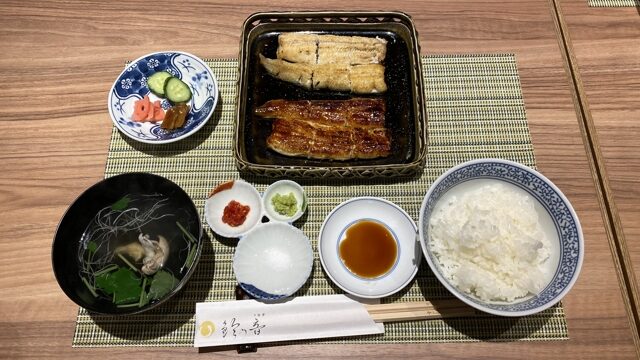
131 85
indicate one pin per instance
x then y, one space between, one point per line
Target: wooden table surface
607 53
59 59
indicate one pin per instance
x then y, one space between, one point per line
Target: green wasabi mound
285 205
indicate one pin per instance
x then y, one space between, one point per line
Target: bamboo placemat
614 3
475 109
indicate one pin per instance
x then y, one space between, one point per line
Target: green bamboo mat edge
614 3
475 109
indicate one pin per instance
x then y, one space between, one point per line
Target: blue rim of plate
564 217
131 86
259 294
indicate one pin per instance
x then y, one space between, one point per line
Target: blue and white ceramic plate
556 215
131 85
273 261
399 224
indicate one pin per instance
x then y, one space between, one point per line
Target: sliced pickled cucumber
157 81
176 90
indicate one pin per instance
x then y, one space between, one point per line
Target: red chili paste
235 213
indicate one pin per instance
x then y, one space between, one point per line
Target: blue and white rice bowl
557 217
131 85
273 261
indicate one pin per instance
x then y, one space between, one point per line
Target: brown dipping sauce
369 250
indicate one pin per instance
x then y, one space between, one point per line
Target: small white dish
284 187
242 192
273 261
394 219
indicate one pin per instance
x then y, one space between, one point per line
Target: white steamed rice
490 243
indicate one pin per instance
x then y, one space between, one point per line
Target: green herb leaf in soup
121 204
92 247
144 297
163 282
123 284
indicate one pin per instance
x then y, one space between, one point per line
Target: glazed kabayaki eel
328 129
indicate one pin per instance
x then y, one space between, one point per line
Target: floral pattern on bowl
564 219
131 85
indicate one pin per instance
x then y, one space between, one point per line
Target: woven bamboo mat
475 109
614 3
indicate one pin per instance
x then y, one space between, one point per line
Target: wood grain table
606 45
59 59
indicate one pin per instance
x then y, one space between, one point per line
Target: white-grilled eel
300 47
341 63
359 79
352 50
297 73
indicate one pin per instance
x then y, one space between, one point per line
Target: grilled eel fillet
328 129
300 47
359 79
356 112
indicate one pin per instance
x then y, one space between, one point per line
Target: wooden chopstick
244 348
419 310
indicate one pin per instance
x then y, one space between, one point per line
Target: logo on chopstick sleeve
207 328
